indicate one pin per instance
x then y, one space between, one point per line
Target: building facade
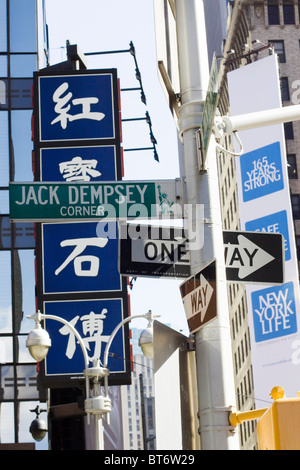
278 23
23 50
19 58
138 401
255 29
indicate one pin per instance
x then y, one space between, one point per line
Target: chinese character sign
76 107
77 141
95 320
75 164
76 259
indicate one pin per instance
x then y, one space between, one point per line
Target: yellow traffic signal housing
278 427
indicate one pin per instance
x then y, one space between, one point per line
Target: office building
138 402
20 395
256 29
19 58
277 22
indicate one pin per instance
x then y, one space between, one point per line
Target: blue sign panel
95 321
261 172
80 258
78 164
76 107
273 223
274 312
77 139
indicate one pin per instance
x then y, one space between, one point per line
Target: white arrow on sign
246 256
199 299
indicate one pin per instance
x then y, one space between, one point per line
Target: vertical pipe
213 343
142 396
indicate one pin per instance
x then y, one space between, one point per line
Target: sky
96 26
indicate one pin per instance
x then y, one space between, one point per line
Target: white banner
265 206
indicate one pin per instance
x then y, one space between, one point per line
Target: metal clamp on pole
97 405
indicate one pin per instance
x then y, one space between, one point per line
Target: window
288 13
3 67
285 93
21 234
273 13
22 144
7 424
5 293
23 65
18 377
279 49
295 199
4 149
22 33
292 166
3 30
298 246
289 130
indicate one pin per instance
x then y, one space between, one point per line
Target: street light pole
216 390
96 405
148 316
38 342
38 317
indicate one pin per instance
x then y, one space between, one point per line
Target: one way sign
199 297
254 257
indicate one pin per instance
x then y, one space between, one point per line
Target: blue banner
274 312
261 172
273 223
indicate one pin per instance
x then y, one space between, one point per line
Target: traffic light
278 427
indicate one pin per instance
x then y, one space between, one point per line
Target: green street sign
59 202
209 111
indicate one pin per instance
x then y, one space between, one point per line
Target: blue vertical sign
77 138
265 206
95 320
261 172
77 260
73 164
76 107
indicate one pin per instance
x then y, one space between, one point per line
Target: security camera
38 429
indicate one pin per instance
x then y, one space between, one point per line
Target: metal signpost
209 111
216 389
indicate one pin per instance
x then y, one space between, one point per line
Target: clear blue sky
98 25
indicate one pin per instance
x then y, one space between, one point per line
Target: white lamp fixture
146 341
38 341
